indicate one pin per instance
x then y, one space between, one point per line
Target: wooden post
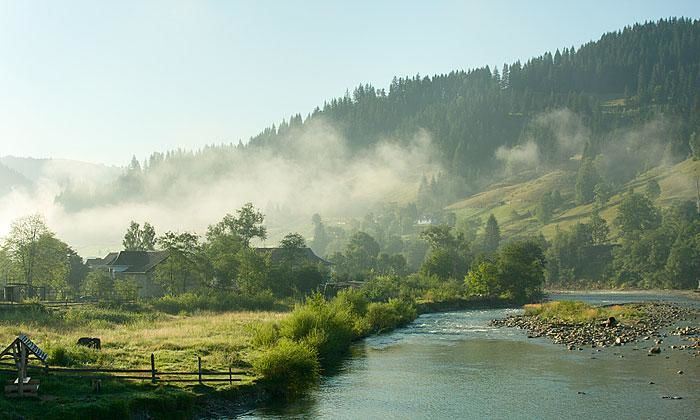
230 378
199 368
153 368
22 370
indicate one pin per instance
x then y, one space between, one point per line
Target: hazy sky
100 81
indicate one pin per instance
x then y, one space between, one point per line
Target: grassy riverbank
280 353
129 335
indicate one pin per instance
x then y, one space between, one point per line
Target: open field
128 338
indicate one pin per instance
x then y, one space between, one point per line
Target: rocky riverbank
649 325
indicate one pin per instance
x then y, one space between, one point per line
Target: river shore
651 324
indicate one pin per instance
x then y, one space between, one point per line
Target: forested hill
624 78
487 122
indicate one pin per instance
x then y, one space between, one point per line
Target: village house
136 265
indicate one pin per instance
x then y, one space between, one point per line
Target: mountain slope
515 205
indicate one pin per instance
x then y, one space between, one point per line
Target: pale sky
104 80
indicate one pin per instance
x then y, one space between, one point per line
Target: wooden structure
21 350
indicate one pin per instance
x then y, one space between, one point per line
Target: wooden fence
154 375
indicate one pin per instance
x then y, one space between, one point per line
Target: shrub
71 355
265 334
215 302
288 367
330 325
386 316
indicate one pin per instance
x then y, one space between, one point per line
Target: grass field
514 204
128 339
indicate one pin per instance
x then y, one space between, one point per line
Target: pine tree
492 234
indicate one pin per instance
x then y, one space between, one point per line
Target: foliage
492 234
637 213
137 238
247 224
327 328
288 368
383 317
579 312
586 182
516 273
182 270
293 241
215 301
653 189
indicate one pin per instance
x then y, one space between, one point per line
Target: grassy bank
281 353
129 335
317 334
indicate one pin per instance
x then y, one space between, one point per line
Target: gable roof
137 262
101 262
278 254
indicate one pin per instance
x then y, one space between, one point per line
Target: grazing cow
91 342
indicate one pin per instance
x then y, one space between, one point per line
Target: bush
329 328
265 334
71 355
215 302
288 367
386 316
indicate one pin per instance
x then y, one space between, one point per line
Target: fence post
230 378
153 368
199 368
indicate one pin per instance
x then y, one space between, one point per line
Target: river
454 365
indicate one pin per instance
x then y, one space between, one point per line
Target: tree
139 239
636 213
653 189
545 208
515 273
586 181
492 234
99 284
521 268
683 264
602 193
293 241
361 252
599 229
320 241
22 244
483 280
78 271
247 224
181 270
449 253
694 143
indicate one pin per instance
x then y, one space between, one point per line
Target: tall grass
326 328
579 312
217 302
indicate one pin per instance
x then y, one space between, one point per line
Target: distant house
101 263
138 265
278 255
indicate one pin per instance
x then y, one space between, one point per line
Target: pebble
598 335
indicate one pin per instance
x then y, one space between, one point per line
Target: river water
454 365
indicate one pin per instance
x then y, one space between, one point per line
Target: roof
137 262
277 254
101 262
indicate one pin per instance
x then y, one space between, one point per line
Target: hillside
471 125
515 205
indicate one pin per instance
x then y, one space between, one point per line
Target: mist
314 171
